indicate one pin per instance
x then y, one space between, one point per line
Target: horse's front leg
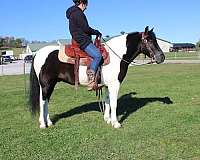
107 116
113 94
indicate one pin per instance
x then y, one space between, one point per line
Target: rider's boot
91 79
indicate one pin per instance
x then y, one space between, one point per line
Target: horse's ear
146 29
151 30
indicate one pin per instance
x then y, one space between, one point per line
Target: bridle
144 42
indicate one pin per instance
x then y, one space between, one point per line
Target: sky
177 21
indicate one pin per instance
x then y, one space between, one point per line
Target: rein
144 40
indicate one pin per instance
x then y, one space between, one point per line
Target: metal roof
36 46
183 45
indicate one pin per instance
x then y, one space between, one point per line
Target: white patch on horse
41 57
83 79
111 71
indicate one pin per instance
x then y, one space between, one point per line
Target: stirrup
95 87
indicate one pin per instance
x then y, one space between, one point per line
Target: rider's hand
98 33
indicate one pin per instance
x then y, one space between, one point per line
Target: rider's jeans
94 52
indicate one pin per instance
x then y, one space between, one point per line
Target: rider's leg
93 52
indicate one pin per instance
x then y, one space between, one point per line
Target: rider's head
82 4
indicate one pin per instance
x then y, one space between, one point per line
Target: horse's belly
82 75
109 74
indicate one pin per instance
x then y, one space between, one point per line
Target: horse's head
150 47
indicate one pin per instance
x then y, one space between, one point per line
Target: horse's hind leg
46 92
43 104
107 117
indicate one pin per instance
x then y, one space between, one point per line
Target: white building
32 48
164 45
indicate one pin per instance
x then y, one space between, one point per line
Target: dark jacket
79 28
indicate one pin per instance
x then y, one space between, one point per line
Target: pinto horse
47 70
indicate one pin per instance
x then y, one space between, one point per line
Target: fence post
2 69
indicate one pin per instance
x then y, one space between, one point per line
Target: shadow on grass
127 104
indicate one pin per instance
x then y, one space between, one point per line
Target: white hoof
116 124
42 126
107 120
49 123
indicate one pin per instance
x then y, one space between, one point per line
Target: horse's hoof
49 123
116 124
107 120
42 126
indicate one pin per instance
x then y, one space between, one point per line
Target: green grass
159 107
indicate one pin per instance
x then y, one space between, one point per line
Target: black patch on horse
56 72
132 44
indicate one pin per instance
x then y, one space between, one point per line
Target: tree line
198 45
11 42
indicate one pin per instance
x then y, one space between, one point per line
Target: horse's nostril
162 57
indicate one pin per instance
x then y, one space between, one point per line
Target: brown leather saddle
73 51
72 54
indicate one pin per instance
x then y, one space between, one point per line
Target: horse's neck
117 47
124 46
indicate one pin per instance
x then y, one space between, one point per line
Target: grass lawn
159 108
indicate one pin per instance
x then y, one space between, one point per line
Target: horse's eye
150 40
145 40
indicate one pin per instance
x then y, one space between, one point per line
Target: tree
198 45
18 43
11 43
1 42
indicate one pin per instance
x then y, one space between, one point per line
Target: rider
81 32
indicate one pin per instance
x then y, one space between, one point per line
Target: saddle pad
85 60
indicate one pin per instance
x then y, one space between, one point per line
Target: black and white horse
47 70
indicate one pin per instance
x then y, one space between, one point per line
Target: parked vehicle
6 59
28 59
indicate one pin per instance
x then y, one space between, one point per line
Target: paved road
19 67
15 68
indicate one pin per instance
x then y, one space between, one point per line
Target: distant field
159 108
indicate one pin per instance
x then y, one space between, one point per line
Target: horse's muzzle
159 58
